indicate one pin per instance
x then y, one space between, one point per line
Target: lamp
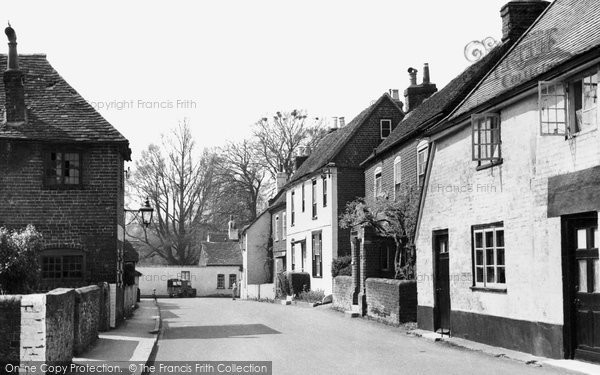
146 213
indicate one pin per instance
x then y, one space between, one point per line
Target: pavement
130 344
299 340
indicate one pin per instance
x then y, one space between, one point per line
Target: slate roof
331 145
221 254
567 29
55 111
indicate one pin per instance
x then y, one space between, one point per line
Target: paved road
311 341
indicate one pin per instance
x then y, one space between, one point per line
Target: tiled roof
443 101
567 29
329 147
221 253
55 111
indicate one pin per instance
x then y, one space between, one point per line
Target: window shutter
552 107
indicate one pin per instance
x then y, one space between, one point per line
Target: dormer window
385 127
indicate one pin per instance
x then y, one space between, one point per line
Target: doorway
581 270
441 283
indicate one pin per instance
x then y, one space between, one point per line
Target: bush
298 282
312 296
19 268
342 266
283 285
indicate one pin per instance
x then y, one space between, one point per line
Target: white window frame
484 248
376 173
284 226
486 131
397 174
276 227
422 149
562 120
389 125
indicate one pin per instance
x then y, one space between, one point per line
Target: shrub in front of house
298 282
342 266
312 296
19 266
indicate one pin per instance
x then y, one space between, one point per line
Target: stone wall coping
390 281
87 289
59 291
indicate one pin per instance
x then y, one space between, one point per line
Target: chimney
13 83
415 94
342 122
282 178
232 230
517 16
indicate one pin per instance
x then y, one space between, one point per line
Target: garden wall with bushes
392 301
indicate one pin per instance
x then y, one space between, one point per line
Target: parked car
180 288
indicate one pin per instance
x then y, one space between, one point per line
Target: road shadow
168 306
216 332
166 314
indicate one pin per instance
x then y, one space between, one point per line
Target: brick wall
83 219
342 292
392 301
88 302
10 328
408 157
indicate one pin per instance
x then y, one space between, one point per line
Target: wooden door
442 283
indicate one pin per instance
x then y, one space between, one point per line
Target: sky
222 65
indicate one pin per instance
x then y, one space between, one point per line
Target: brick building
507 238
61 169
318 192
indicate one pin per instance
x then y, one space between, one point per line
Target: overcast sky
229 63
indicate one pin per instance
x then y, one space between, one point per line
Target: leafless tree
180 186
242 178
280 138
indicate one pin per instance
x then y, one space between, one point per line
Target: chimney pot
412 72
426 73
342 122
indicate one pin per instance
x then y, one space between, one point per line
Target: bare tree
393 218
280 138
242 178
180 187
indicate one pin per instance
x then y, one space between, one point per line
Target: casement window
397 176
293 257
284 226
385 128
220 281
569 107
324 179
276 228
303 198
317 257
486 139
314 199
489 256
57 266
185 275
63 168
293 210
377 188
232 280
422 152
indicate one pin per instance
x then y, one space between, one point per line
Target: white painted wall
204 279
515 192
305 225
260 291
254 244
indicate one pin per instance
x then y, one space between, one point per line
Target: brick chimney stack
282 178
415 94
517 16
232 230
13 83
